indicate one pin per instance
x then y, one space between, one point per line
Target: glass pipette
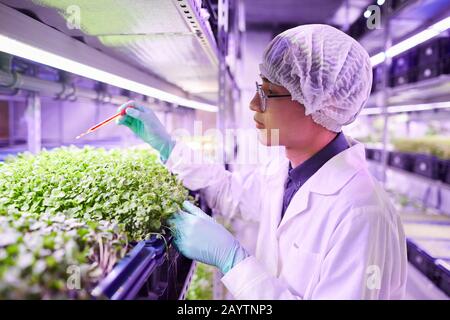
104 122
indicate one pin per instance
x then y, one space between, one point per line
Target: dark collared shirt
300 174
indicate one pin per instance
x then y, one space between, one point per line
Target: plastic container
429 71
434 51
405 62
369 153
400 160
420 259
443 275
445 66
130 274
377 155
374 154
434 269
439 251
429 52
405 78
444 171
426 165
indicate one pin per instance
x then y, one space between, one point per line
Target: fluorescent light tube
23 50
377 59
406 108
412 41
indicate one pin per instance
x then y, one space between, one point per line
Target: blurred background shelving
406 128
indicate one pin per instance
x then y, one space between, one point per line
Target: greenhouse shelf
405 21
432 268
428 235
430 90
434 90
426 167
419 287
431 193
428 246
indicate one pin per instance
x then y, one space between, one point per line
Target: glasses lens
262 97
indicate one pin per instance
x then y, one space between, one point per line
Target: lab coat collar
329 179
339 170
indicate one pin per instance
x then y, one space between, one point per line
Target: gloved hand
144 123
200 237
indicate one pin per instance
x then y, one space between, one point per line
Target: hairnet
324 69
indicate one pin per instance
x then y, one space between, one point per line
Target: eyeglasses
263 96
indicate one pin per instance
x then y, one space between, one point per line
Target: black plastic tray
130 274
426 165
429 266
403 63
374 154
434 50
400 160
445 171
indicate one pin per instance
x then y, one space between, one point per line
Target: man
326 228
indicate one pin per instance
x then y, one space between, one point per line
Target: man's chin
267 139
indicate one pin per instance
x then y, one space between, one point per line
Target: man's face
284 121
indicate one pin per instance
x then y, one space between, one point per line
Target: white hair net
324 69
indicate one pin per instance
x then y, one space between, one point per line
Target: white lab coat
340 237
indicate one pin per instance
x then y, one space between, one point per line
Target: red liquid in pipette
101 124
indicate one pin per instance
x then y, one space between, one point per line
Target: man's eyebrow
265 80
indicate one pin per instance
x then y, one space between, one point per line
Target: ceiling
282 14
407 22
152 35
155 37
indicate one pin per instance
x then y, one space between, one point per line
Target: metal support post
33 119
385 90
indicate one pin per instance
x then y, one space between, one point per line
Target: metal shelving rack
387 100
59 41
434 92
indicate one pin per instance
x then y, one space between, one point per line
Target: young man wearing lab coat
327 228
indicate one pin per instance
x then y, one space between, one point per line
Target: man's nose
255 104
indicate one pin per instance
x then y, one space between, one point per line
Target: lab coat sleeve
249 280
355 267
227 193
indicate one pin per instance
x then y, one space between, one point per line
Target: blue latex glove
144 123
200 237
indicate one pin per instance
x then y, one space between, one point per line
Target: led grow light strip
412 41
26 51
407 108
